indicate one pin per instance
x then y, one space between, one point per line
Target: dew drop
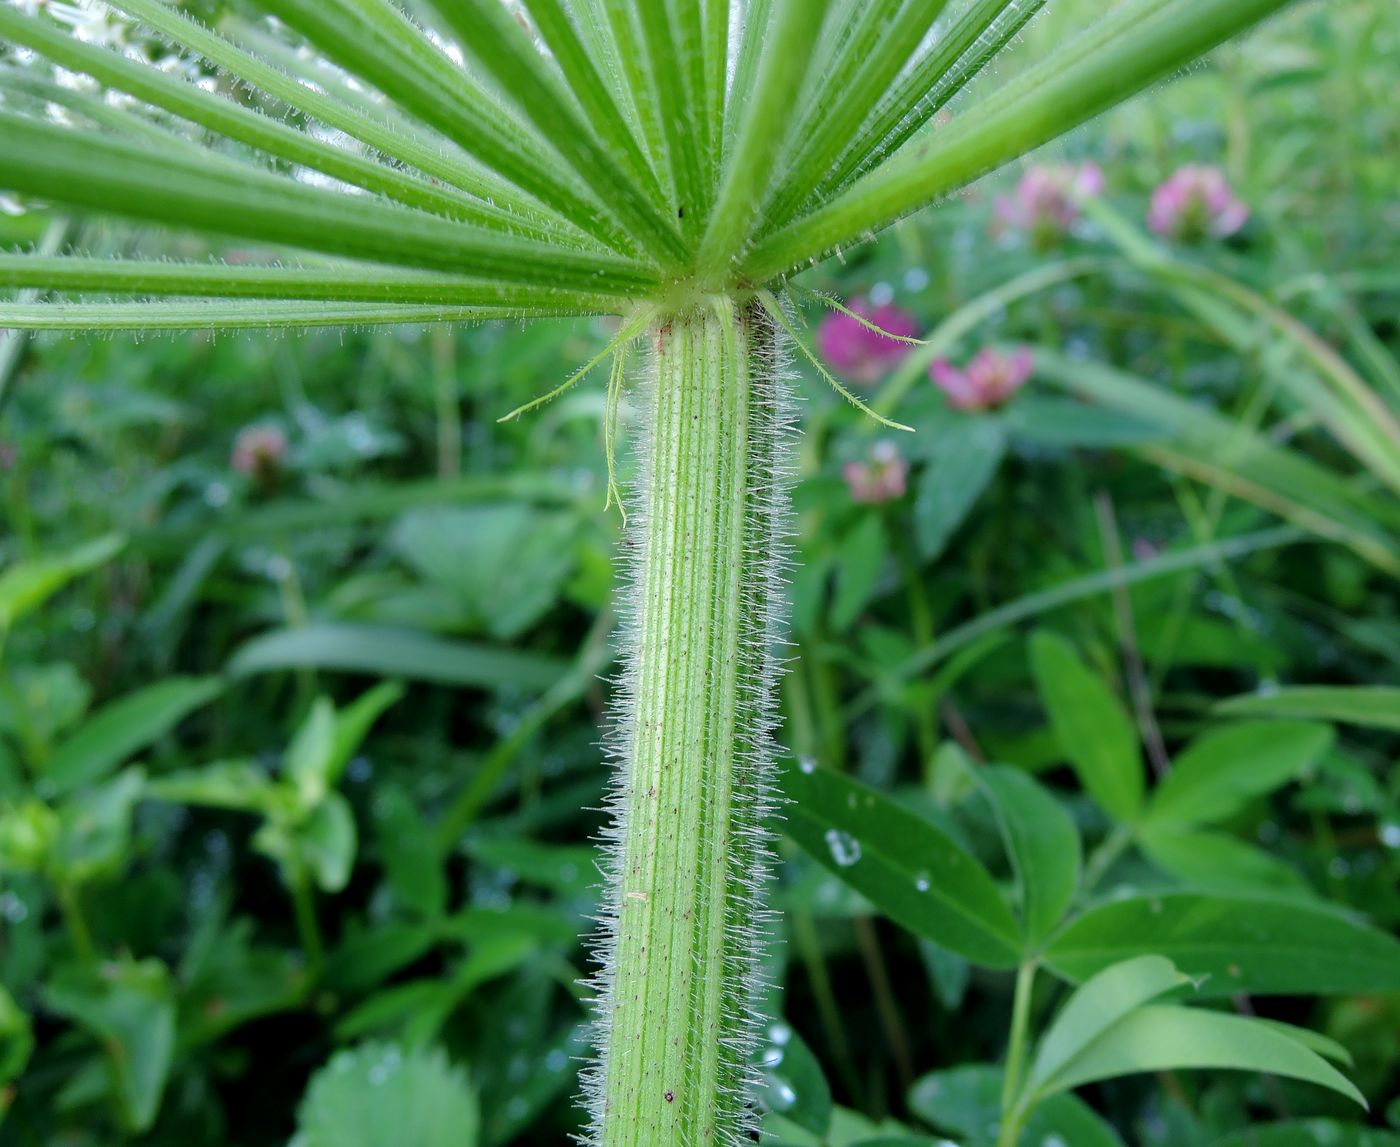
12 908
1390 834
360 437
808 765
922 882
784 1097
379 1074
845 849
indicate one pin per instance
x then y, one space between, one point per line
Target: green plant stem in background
1016 1055
70 904
688 848
308 928
1102 858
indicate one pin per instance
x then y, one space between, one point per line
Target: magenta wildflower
1045 204
259 451
1196 203
861 354
883 478
988 380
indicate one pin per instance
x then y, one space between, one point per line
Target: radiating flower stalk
674 164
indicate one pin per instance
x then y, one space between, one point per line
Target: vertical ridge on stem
687 850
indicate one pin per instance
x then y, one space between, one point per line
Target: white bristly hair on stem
687 851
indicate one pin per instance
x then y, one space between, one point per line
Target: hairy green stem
683 921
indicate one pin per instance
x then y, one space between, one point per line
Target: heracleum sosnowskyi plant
670 162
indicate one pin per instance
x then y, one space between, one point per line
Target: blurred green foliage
234 864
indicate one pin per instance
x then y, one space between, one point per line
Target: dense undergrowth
1094 671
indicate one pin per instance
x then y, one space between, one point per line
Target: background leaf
1369 706
858 567
380 1095
94 828
16 1041
1220 772
794 1083
966 1102
1263 946
505 562
1166 1038
327 840
1066 422
1042 841
1098 1004
122 727
1310 1133
129 1008
390 652
1094 731
963 464
909 869
25 586
1217 861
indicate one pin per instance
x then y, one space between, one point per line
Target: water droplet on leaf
845 849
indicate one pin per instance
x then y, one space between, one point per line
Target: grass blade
389 652
1366 706
1077 589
